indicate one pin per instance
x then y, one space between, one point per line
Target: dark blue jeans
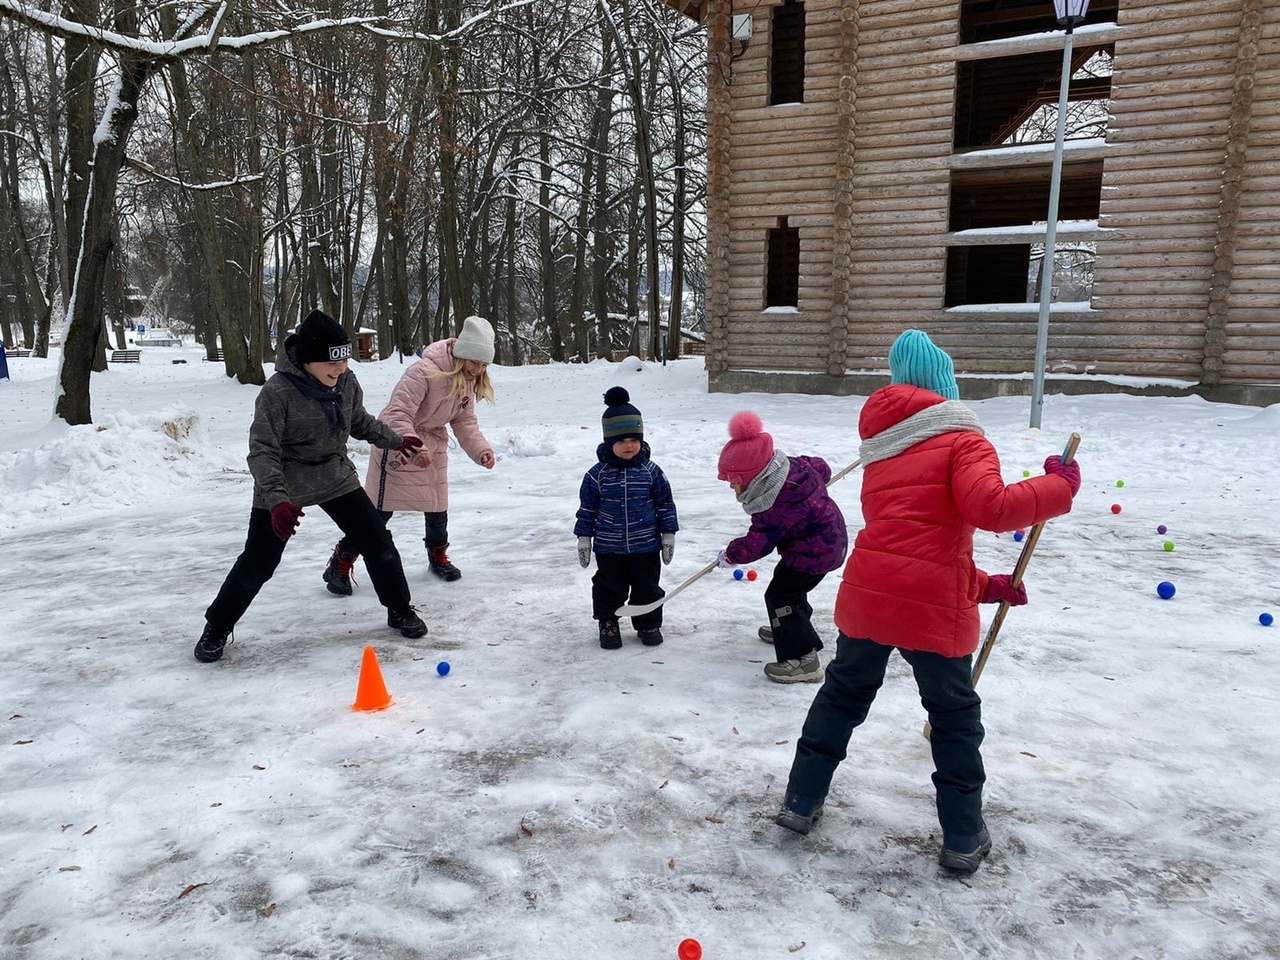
359 521
955 713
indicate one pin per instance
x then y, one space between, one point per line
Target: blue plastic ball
442 668
1019 537
1166 590
738 574
1266 619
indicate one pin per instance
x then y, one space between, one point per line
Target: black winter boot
651 637
211 643
407 622
440 564
337 575
610 635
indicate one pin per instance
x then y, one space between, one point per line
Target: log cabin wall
885 188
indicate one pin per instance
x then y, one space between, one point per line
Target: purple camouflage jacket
804 523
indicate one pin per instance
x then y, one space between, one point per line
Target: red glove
1000 590
284 520
409 446
1070 472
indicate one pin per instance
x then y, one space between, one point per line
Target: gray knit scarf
950 416
763 490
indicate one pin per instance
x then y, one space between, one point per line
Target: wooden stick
635 610
1028 548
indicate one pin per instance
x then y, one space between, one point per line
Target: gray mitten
584 551
668 547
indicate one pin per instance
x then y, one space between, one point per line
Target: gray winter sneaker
808 669
963 855
765 634
799 814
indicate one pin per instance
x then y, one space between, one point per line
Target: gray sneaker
765 634
808 669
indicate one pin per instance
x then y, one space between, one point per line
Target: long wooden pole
1020 568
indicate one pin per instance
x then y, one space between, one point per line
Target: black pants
955 713
437 531
620 576
361 525
790 616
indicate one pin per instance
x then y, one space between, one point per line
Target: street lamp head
1070 12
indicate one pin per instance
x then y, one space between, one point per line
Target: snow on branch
151 171
55 25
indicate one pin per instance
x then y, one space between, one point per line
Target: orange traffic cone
371 692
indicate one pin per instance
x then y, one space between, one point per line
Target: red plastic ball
1115 508
690 950
751 574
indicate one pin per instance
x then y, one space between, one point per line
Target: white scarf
950 416
763 490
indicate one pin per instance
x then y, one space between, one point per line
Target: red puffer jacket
910 581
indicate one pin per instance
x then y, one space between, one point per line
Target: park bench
217 355
18 352
126 356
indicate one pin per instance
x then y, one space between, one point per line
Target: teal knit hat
916 360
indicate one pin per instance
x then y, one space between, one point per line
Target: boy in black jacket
298 457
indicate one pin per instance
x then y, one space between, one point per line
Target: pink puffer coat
423 404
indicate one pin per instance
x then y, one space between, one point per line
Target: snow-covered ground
550 800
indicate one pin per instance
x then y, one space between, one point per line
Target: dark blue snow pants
955 713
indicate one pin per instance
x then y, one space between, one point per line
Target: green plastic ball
1119 483
1168 546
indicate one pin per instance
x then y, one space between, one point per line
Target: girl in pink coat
441 390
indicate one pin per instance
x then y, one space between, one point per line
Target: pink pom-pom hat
748 451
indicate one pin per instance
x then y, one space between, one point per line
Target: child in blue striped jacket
628 518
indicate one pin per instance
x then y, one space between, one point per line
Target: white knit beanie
475 342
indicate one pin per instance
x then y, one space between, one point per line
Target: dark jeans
790 615
437 531
622 575
362 526
955 713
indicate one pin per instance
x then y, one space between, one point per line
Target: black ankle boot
407 622
211 643
440 564
337 575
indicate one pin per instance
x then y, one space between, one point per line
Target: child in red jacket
930 478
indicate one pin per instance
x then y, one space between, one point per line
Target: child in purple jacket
790 510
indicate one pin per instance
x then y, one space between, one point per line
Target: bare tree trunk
82 344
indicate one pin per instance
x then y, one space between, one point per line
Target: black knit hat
621 420
321 339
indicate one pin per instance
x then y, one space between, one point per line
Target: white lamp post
1068 13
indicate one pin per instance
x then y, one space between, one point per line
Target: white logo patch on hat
341 352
